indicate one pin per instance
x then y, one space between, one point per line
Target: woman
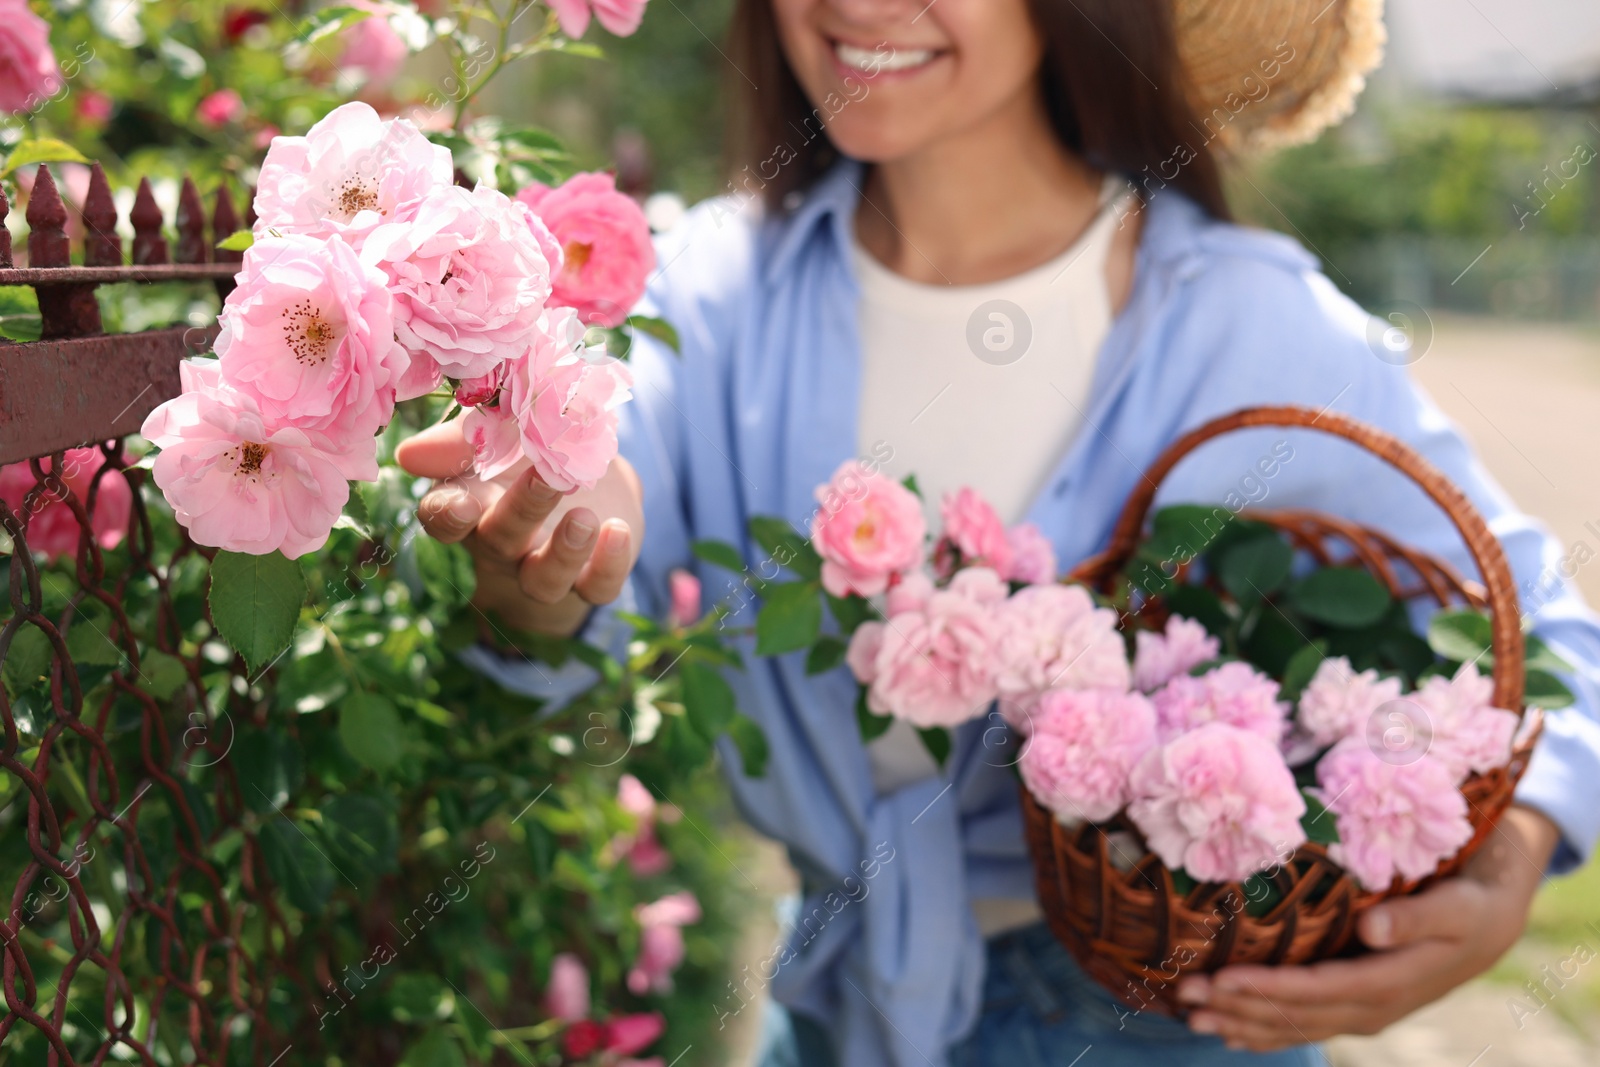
985 241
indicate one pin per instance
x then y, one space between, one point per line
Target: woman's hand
1430 944
543 559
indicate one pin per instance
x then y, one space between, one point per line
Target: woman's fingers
450 511
507 529
437 452
549 573
608 567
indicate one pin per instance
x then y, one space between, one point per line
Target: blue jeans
1041 1010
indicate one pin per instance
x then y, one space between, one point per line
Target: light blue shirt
761 407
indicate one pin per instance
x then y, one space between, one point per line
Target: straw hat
1269 73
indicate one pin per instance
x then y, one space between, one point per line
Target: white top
982 386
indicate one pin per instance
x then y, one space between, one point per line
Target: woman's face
888 78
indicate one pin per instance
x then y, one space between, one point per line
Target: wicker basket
1126 923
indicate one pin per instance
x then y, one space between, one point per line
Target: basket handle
1507 641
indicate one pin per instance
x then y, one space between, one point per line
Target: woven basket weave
1124 921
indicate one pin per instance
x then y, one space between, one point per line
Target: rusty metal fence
122 932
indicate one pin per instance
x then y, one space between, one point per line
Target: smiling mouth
885 59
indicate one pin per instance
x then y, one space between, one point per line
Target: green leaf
660 329
1318 821
255 603
720 554
446 571
1460 636
270 768
161 675
788 547
825 655
329 21
1203 606
370 727
850 611
707 699
1539 656
936 740
41 150
87 644
752 744
1255 568
872 725
790 618
27 660
910 482
1302 666
541 140
237 241
1544 690
438 1048
578 48
1340 596
296 864
362 835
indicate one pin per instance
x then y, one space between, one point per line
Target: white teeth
884 58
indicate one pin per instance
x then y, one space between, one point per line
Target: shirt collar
830 203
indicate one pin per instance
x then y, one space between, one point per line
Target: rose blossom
933 666
566 403
1160 657
95 107
469 279
1033 557
372 47
1053 637
220 108
627 1034
237 483
1218 802
349 173
909 593
1234 693
620 17
868 529
308 335
661 942
643 850
53 527
605 241
1081 749
1393 818
685 590
566 997
1338 702
28 72
972 526
1470 735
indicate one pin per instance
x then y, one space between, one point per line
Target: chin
875 140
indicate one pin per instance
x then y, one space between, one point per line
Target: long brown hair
1111 80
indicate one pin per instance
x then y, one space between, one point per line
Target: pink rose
627 1034
1033 557
605 243
643 850
94 107
52 526
350 172
219 109
908 593
868 529
566 403
1160 657
1234 693
1218 802
685 588
308 334
28 72
635 799
661 943
974 528
484 389
371 47
1394 819
1338 703
237 483
1053 637
468 276
1470 735
566 997
1081 749
621 17
934 666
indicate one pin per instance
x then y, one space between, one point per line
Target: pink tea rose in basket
1082 746
1053 637
1234 693
1160 657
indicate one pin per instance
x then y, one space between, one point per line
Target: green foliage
790 619
255 601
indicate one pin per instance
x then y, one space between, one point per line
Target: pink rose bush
53 527
605 245
375 280
220 108
28 72
372 48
